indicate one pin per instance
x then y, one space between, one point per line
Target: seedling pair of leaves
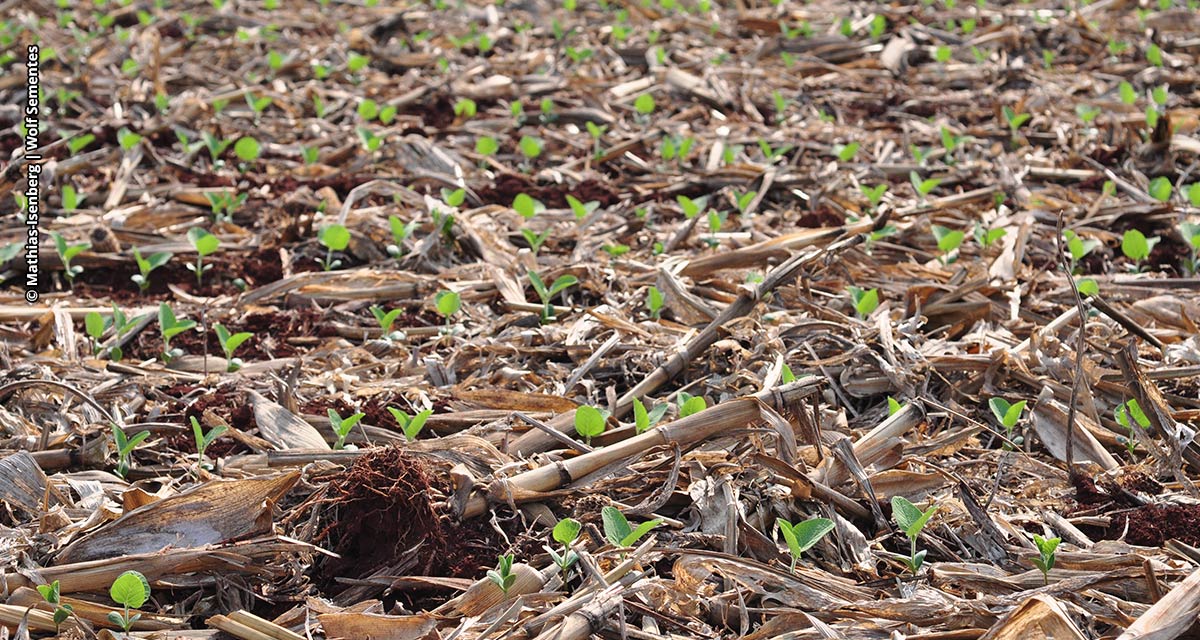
502 575
386 319
1136 246
67 252
644 420
590 422
802 536
1008 415
333 237
400 232
50 593
911 521
948 240
229 344
690 404
146 266
96 325
582 209
565 533
619 532
205 244
410 425
170 326
205 439
655 302
1129 414
125 446
1046 550
865 301
342 426
130 590
1078 248
546 294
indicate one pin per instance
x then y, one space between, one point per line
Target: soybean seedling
618 530
802 536
565 532
147 265
67 252
448 303
205 244
386 319
502 575
654 302
865 300
923 186
874 194
1137 247
1014 120
205 439
400 233
1008 415
410 425
535 240
590 422
342 426
546 294
911 520
1129 414
125 447
690 404
948 240
121 325
581 209
170 326
229 343
130 590
50 593
644 420
1045 560
987 237
333 237
527 206
95 325
1078 248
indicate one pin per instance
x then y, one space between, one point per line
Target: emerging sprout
689 404
1008 415
342 426
410 425
1045 560
803 536
590 422
147 265
911 520
618 530
170 326
66 252
125 447
130 590
502 575
644 420
229 343
205 244
565 532
205 439
333 237
865 300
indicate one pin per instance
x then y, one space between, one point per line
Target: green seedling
1136 246
79 143
948 240
690 404
170 326
772 154
1045 560
546 294
125 447
596 131
1160 189
146 266
229 344
923 186
502 575
66 253
590 422
874 194
802 536
879 25
865 300
1191 235
1087 113
356 62
581 209
1127 93
1014 120
565 532
410 425
846 152
618 530
530 147
655 302
786 374
1193 194
942 53
1154 55
644 420
527 206
71 199
447 303
616 250
51 594
454 197
334 237
691 208
205 439
1008 415
342 426
247 149
1130 415
205 244
386 319
535 240
400 233
94 325
743 200
893 406
911 520
644 104
1078 248
216 146
987 237
130 590
465 108
781 105
121 325
128 139
371 142
225 204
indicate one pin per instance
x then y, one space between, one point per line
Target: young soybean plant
590 422
911 520
502 575
410 425
205 439
1008 415
565 532
333 237
386 319
50 593
66 252
1045 560
229 344
125 447
644 420
802 536
547 293
342 426
146 265
618 530
130 590
205 244
170 326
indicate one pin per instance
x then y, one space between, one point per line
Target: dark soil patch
819 218
271 330
257 268
1154 524
388 490
508 186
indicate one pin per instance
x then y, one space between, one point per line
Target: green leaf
562 282
530 147
580 209
448 303
1160 189
1088 287
566 531
641 419
1127 93
874 194
94 324
804 535
334 236
204 242
639 531
247 149
644 104
589 421
947 240
130 589
909 518
487 146
893 405
692 405
49 592
846 153
1046 546
616 526
526 206
368 110
1007 414
385 319
454 197
691 208
865 300
1134 245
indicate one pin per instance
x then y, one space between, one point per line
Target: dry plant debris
672 318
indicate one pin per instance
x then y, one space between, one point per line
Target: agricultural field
580 319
